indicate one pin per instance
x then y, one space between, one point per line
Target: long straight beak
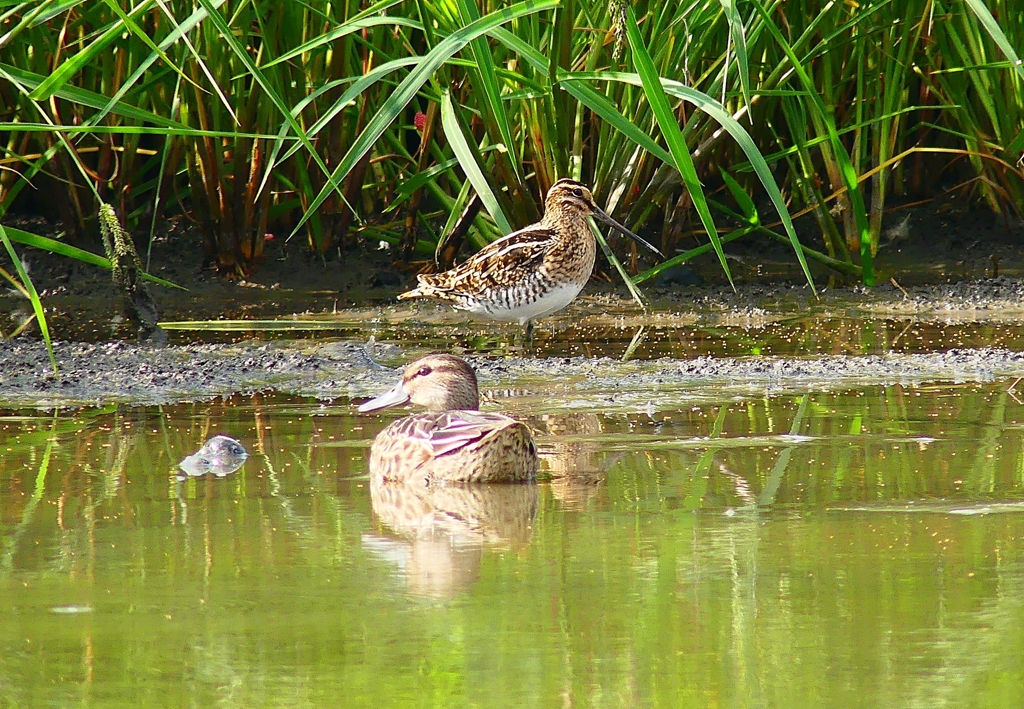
603 216
392 397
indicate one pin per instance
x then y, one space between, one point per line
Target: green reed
342 121
23 285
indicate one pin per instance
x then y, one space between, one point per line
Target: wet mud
121 372
92 369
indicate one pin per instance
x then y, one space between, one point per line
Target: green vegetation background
340 121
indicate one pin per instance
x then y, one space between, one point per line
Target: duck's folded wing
448 432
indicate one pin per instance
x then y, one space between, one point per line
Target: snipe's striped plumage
532 272
453 442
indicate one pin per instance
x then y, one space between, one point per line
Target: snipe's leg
528 337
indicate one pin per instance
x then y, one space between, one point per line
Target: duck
452 441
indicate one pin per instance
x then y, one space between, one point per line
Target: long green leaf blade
411 85
489 81
88 98
259 77
33 296
984 16
673 135
467 159
738 41
62 249
735 129
847 172
76 62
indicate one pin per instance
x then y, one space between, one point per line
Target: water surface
844 549
593 327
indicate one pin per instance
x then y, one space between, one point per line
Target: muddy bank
124 373
91 373
984 299
943 255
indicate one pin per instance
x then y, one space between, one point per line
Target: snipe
532 272
453 442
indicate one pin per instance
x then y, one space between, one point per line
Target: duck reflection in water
453 442
436 536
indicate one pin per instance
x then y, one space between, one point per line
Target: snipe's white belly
551 301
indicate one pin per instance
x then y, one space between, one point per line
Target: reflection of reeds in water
438 534
575 475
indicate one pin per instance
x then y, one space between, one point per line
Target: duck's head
439 382
573 197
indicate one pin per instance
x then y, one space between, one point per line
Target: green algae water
846 548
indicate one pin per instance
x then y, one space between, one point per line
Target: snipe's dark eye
578 192
423 371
